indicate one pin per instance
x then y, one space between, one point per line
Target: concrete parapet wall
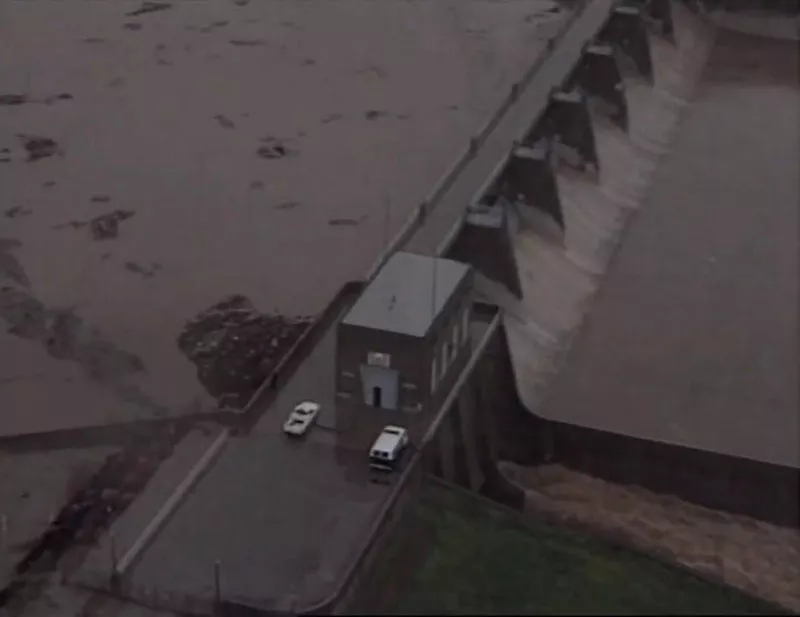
601 137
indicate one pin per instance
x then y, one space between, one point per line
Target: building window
375 358
465 325
445 357
434 375
456 339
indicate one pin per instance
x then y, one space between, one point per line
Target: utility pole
114 579
217 589
433 287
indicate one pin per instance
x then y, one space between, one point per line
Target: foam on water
559 278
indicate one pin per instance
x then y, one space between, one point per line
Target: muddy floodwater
178 178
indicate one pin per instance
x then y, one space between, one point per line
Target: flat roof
407 294
266 149
693 339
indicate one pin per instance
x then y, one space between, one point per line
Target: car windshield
391 431
302 411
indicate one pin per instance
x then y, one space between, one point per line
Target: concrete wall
601 181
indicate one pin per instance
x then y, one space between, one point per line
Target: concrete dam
641 240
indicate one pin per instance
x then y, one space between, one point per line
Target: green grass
481 560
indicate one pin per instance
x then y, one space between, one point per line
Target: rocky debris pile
235 348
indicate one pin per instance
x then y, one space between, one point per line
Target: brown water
153 164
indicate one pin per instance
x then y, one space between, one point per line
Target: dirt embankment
757 557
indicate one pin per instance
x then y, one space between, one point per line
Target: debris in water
73 223
132 266
39 147
103 227
64 96
17 211
135 27
374 114
374 70
247 42
224 121
287 205
106 226
94 39
308 62
13 99
49 184
100 199
273 148
271 152
234 347
256 185
345 222
213 26
331 118
150 7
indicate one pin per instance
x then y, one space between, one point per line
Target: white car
385 452
302 417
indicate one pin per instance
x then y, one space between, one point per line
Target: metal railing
418 216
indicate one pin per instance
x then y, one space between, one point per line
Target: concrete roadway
284 516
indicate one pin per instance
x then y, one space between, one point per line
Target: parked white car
385 452
302 417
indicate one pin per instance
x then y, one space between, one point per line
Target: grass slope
482 560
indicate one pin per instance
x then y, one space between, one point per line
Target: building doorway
376 396
381 386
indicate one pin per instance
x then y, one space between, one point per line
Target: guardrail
261 399
417 218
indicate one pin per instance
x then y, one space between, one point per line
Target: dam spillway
649 263
560 272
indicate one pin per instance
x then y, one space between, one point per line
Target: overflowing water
559 275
